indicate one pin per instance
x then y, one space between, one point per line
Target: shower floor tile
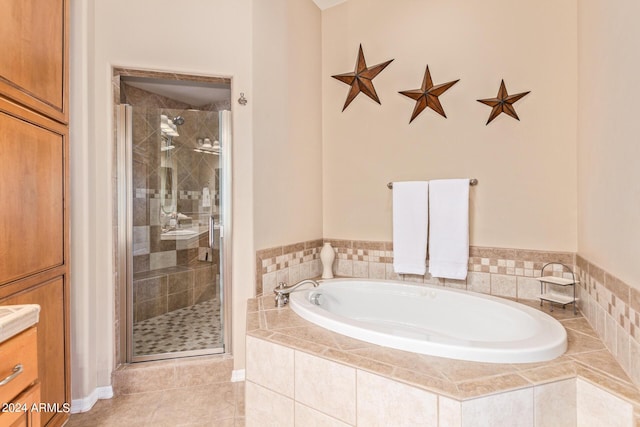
196 327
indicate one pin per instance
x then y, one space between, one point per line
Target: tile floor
195 327
213 405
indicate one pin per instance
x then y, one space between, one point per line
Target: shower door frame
124 247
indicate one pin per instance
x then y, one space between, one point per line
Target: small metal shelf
547 294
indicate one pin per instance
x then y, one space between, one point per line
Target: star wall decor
427 95
361 79
503 103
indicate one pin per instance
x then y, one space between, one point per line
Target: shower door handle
212 230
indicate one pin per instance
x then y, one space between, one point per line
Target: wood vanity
34 189
19 383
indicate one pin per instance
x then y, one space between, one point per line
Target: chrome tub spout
282 291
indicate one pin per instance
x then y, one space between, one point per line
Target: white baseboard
85 404
237 375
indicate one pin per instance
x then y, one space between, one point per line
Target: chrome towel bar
472 181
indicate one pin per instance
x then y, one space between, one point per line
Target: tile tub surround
612 307
494 271
290 264
337 380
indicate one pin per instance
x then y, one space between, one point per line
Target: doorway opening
174 213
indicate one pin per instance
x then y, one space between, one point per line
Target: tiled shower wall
610 305
161 291
192 171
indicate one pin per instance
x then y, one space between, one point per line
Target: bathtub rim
554 346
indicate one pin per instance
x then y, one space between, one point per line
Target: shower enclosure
174 144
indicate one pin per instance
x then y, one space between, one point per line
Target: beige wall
287 129
210 37
608 135
531 186
527 170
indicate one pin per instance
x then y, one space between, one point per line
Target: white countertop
16 318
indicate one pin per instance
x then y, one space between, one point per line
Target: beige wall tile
270 365
599 314
265 408
295 274
281 276
449 412
634 360
455 284
479 282
383 402
610 330
390 273
343 267
597 408
377 270
622 348
326 386
503 285
528 288
555 404
316 268
307 417
361 269
413 278
513 409
634 295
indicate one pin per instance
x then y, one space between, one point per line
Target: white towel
449 228
410 226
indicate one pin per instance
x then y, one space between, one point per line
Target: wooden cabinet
34 186
32 192
20 389
34 65
53 358
26 400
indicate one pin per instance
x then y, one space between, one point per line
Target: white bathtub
433 320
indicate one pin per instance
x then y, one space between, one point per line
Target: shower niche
177 138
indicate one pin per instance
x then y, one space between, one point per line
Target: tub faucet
282 291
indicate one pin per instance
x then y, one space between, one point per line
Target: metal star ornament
427 95
361 79
503 103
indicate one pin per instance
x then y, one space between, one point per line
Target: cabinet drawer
16 415
20 350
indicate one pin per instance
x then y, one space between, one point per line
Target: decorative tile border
496 271
289 263
151 193
612 307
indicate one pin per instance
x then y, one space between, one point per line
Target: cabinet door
27 418
32 187
33 68
52 343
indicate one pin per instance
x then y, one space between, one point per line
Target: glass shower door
176 168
